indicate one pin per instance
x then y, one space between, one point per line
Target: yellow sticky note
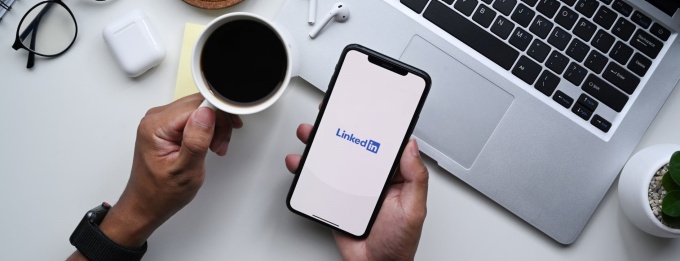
185 81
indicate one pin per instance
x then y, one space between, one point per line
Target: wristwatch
95 245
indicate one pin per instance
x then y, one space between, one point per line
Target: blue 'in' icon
373 146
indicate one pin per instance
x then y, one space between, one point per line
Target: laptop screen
667 6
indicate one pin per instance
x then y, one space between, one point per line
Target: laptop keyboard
604 46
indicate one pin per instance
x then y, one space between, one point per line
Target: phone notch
385 64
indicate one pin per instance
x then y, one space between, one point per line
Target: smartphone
368 114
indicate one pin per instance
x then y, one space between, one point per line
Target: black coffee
244 61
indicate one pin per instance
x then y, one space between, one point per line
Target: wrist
126 228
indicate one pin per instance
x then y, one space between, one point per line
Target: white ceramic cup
215 102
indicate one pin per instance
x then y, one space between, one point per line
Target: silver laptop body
543 135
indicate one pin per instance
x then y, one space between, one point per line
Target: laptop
537 104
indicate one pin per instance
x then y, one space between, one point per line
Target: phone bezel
392 65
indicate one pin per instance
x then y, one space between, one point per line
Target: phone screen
356 144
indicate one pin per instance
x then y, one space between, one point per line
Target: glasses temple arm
31 55
36 21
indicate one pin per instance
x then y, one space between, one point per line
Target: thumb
198 134
415 174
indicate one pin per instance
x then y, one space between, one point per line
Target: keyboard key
538 50
604 92
639 64
502 27
607 1
504 6
487 1
605 17
566 18
596 61
603 41
530 2
523 15
415 5
623 29
464 6
622 8
520 39
469 33
577 50
559 38
581 111
541 27
621 78
600 123
557 62
575 74
526 69
563 99
484 15
547 83
646 44
569 2
589 103
587 7
584 29
448 1
621 52
660 31
641 19
548 7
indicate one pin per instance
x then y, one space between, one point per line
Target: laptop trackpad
462 109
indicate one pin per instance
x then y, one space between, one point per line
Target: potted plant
649 190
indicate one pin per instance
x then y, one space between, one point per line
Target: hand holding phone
396 231
355 148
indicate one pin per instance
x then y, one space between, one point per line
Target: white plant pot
634 185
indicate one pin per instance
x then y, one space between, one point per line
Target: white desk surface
68 130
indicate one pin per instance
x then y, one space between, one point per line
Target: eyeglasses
58 30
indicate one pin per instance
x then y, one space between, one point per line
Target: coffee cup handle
207 104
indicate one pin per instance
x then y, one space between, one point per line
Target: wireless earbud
312 11
341 14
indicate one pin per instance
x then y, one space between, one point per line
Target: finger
174 117
398 178
415 175
293 162
222 135
236 121
303 132
344 240
198 134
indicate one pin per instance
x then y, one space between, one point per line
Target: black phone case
387 63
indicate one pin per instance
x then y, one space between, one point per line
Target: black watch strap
95 245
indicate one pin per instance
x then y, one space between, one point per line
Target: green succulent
670 207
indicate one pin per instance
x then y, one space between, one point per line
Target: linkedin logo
370 145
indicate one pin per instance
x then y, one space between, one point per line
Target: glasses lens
48 29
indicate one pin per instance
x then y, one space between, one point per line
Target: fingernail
414 149
204 117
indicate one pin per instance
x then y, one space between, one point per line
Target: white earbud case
134 43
